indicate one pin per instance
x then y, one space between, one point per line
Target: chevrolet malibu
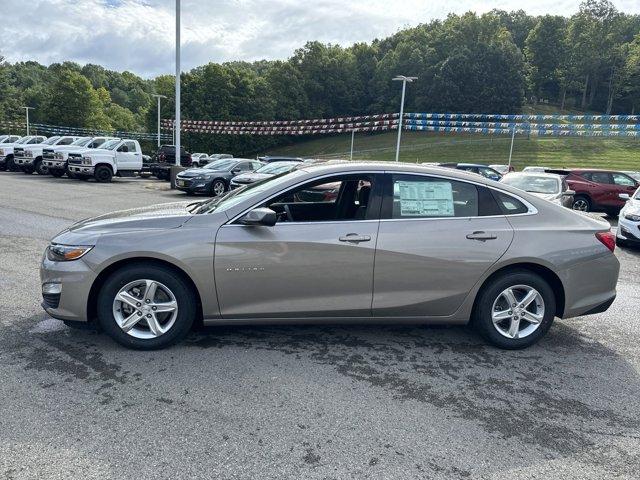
396 244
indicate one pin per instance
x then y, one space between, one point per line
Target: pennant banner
527 125
509 131
524 118
79 131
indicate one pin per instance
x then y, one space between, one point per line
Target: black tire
581 203
620 243
27 170
40 168
11 166
217 183
57 173
483 309
186 301
102 174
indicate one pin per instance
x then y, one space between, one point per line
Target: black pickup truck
165 158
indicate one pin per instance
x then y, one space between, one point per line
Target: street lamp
159 97
177 125
27 110
404 80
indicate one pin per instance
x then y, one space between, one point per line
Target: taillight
608 239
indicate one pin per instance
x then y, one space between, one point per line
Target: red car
598 190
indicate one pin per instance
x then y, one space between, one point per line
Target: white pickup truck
55 158
29 158
6 150
122 158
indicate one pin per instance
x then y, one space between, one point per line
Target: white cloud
138 35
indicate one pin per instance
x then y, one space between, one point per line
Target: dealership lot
299 402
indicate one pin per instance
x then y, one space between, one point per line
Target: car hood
101 151
546 196
68 148
194 172
632 207
164 216
251 177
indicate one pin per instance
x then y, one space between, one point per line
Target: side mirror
624 196
569 193
260 216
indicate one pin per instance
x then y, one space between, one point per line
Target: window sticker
425 199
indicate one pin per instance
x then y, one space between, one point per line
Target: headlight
58 156
66 253
632 217
2 152
87 161
28 153
202 177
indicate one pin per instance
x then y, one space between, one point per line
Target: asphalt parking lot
299 402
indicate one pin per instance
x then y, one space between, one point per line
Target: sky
139 35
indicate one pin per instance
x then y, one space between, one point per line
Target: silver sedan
336 242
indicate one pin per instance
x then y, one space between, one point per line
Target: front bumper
81 170
76 279
55 164
23 161
193 186
628 231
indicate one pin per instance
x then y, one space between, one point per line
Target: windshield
277 167
51 140
220 165
24 140
110 145
533 184
82 142
244 193
3 138
637 195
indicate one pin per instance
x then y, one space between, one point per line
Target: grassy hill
618 153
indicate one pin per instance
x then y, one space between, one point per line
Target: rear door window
623 180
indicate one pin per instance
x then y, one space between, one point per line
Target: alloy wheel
145 309
581 205
218 188
518 311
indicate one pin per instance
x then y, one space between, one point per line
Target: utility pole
353 133
159 97
404 80
513 136
177 124
27 110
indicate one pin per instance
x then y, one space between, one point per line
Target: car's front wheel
515 310
146 307
103 174
218 188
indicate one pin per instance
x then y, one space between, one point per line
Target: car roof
533 174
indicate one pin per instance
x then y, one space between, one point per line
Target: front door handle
354 238
481 236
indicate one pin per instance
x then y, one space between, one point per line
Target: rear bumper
590 286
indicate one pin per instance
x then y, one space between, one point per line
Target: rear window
508 204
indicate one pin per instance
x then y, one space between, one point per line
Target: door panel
428 266
295 269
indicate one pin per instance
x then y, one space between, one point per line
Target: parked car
550 186
503 169
259 256
4 139
598 190
122 157
214 178
55 158
29 158
277 158
165 158
628 233
6 150
532 169
266 171
199 159
486 172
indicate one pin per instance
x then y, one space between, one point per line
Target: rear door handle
481 236
354 238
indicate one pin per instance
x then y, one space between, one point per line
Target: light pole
159 97
353 133
27 110
404 80
177 125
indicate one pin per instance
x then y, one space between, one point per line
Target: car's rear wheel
515 310
146 307
581 203
102 174
218 188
